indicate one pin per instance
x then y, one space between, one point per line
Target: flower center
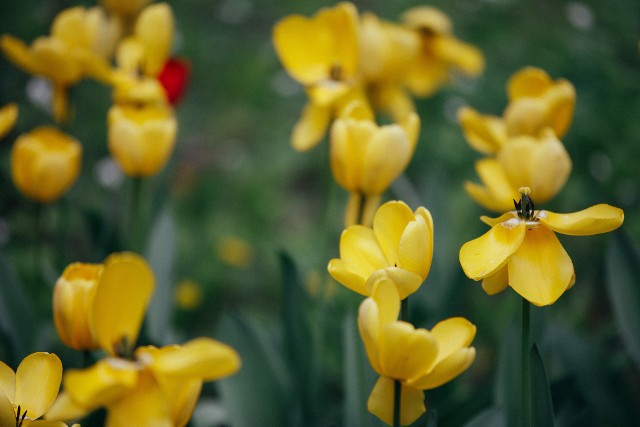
20 419
525 208
335 72
124 349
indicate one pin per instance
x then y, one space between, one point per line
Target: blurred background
241 226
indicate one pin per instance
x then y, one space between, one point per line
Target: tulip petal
446 370
596 219
18 53
8 116
497 282
561 99
37 383
7 381
311 127
380 402
463 56
528 82
486 134
340 271
452 335
389 224
387 155
405 281
121 299
488 253
406 352
360 251
103 383
7 413
385 294
201 358
154 28
482 196
369 328
416 245
540 270
65 408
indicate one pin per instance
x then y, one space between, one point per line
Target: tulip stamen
124 349
335 72
20 419
525 208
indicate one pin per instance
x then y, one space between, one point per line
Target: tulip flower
45 163
165 381
398 247
366 159
81 40
141 138
542 164
25 395
8 117
522 251
418 358
125 9
72 301
440 52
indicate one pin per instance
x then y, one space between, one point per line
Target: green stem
526 363
135 223
397 392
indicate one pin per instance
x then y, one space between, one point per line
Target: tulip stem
526 364
397 392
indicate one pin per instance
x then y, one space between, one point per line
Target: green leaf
261 391
541 404
17 317
508 382
161 256
493 417
623 286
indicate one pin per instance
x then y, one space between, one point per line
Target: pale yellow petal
596 219
389 224
488 253
380 402
486 134
103 383
497 282
201 358
446 370
528 82
38 381
540 270
121 299
452 334
311 127
406 352
7 381
7 413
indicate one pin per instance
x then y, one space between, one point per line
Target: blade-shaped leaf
541 404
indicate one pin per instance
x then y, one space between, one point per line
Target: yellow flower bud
141 139
8 117
72 300
45 163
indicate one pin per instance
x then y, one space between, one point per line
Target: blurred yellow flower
81 40
418 358
141 138
125 9
188 295
398 247
26 394
522 251
540 163
45 163
234 251
536 103
440 52
72 301
8 117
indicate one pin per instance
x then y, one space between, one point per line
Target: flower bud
72 300
45 163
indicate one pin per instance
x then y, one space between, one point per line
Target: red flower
173 77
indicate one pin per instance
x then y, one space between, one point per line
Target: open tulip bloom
522 251
419 359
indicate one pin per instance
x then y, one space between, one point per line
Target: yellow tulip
522 251
72 301
126 9
80 42
141 138
440 52
541 163
8 117
420 359
26 394
366 159
399 247
45 163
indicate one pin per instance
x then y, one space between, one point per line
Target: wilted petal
497 282
446 370
596 219
381 400
311 126
540 270
37 383
121 299
488 253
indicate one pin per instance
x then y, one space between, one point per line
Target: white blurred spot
209 412
284 85
40 92
108 173
580 15
235 11
600 167
451 107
